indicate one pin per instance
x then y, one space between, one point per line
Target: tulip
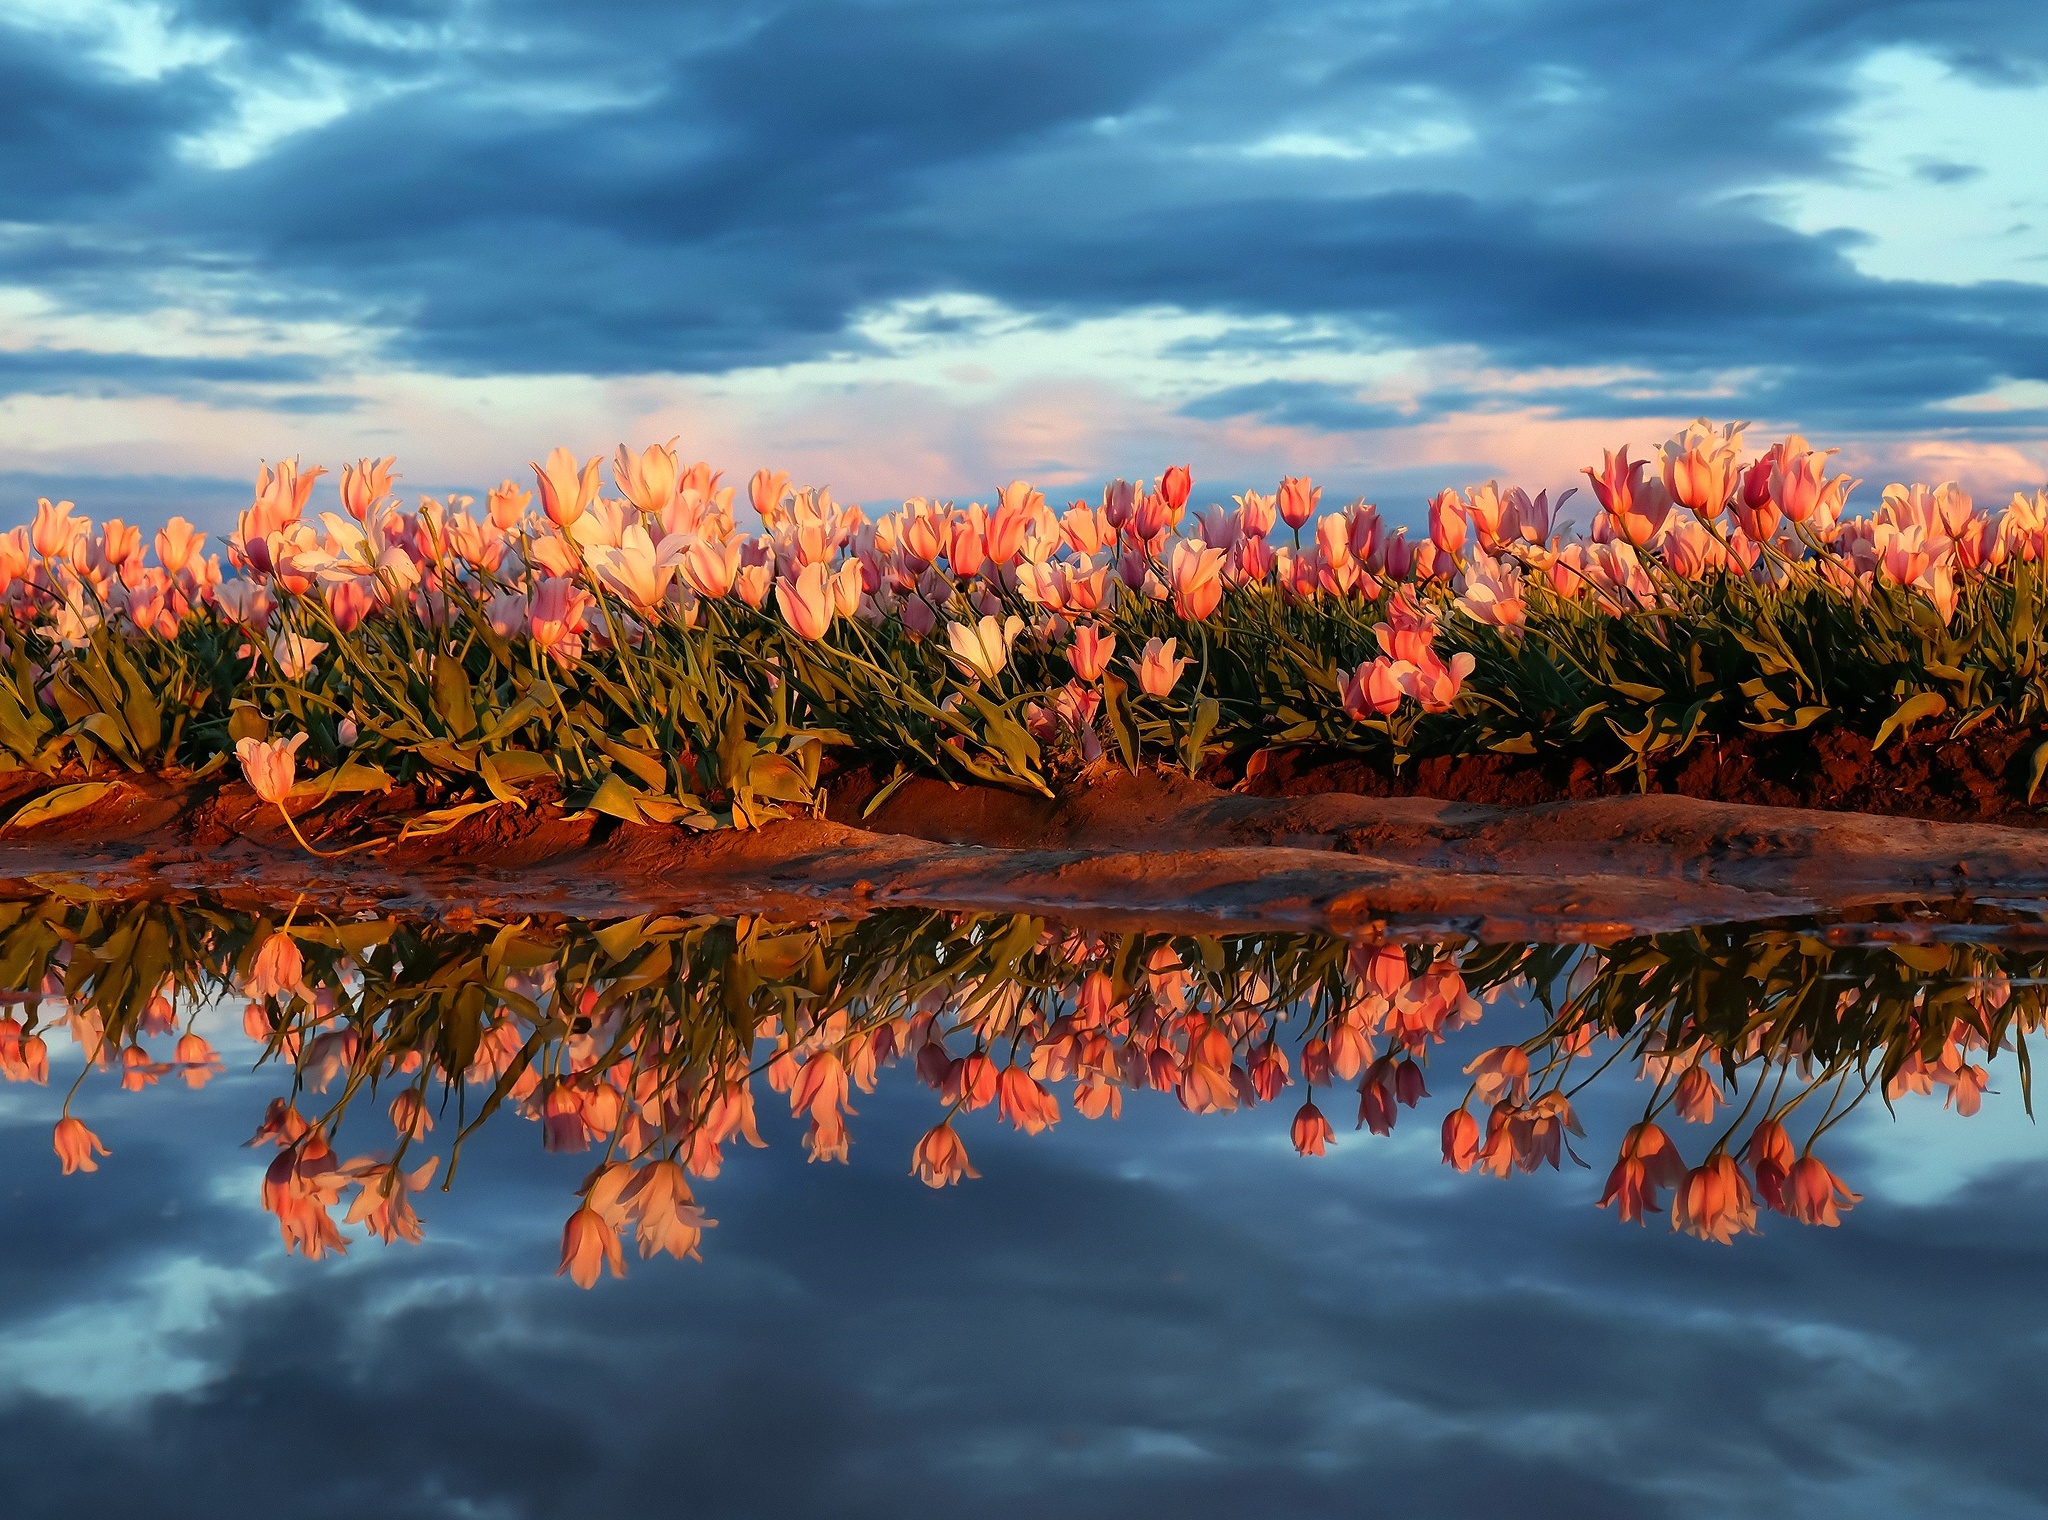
1298 499
1702 466
807 603
507 505
409 1115
1649 1163
983 650
1196 578
1696 1096
269 766
195 1060
1312 1132
295 653
649 481
1255 513
1502 1072
711 569
55 529
566 492
939 1159
177 545
76 1146
1119 503
1637 506
766 491
1090 652
1771 1158
1448 523
1174 487
364 484
1158 671
1796 484
1373 690
1025 1104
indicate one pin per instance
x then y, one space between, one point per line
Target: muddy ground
1150 850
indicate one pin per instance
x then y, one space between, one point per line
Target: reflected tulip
1648 1164
1815 1195
76 1146
1024 1103
939 1159
1312 1132
1461 1140
589 1245
195 1060
1715 1202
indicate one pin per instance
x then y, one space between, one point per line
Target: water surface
1170 1307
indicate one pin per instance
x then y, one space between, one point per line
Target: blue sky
927 247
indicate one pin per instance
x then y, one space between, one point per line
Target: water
1166 1309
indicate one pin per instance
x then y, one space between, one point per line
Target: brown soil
1154 851
1980 778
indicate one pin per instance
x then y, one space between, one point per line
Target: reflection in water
645 1043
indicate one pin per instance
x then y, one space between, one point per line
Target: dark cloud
1309 404
731 186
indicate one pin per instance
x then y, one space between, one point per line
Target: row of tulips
647 1045
663 659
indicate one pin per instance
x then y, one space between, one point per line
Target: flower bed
641 655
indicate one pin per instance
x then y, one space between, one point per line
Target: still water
1147 1297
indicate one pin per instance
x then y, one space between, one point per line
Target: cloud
1472 192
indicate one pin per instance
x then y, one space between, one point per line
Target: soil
1154 851
1983 777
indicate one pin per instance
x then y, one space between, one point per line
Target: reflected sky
1166 1310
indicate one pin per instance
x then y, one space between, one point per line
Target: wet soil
1982 777
1152 850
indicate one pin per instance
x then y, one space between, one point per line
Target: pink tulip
1158 671
1298 499
55 530
1372 690
566 492
1637 506
1714 1202
806 602
1175 486
1090 652
270 765
1448 523
648 481
1196 578
364 484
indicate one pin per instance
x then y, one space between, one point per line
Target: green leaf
55 804
349 776
453 699
1927 704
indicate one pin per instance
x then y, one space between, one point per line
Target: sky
1163 1314
923 248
